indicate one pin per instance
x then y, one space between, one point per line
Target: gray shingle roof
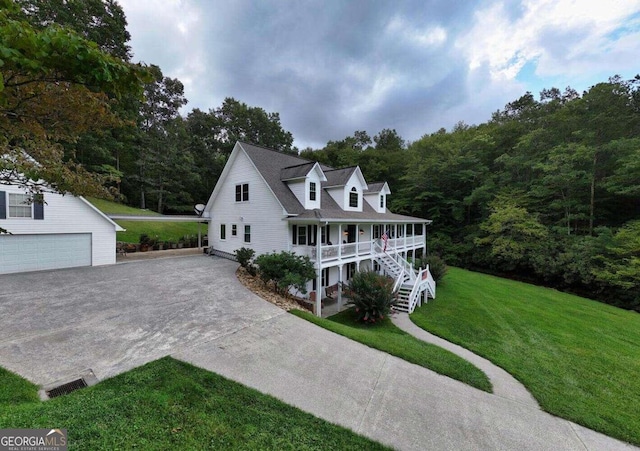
338 177
270 164
298 171
374 187
331 211
273 164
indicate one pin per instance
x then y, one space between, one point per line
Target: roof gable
301 171
378 187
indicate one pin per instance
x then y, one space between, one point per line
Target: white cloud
559 34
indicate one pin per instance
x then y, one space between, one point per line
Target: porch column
339 241
405 236
318 306
340 287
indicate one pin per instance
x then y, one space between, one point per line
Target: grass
579 358
386 337
168 404
164 231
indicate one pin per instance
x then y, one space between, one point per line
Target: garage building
53 232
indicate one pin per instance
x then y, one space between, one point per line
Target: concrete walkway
504 384
380 396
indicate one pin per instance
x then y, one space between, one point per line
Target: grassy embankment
579 358
386 337
168 404
164 231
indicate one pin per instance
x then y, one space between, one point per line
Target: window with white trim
247 233
312 191
242 192
302 235
234 230
381 200
353 198
19 205
223 231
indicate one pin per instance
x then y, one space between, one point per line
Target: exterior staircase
411 285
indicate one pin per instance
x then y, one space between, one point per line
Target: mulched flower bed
258 287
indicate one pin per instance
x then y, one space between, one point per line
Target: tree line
547 190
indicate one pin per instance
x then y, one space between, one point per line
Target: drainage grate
67 388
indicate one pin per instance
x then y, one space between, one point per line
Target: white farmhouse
272 202
52 231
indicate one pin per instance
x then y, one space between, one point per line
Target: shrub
244 255
285 270
437 266
372 295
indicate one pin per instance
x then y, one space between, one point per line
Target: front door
351 233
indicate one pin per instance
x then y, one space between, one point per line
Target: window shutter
3 205
38 207
295 234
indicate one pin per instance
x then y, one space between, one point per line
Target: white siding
299 188
302 190
354 181
374 200
315 178
262 212
68 214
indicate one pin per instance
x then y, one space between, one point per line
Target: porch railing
360 249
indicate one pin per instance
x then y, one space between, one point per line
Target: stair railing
398 259
424 280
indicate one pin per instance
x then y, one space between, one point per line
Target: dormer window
353 198
312 191
381 200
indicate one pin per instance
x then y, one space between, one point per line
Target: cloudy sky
332 67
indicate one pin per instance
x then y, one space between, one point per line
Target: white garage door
21 253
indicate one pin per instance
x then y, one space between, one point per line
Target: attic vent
67 388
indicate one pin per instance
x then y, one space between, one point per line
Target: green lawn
579 358
386 337
164 231
168 404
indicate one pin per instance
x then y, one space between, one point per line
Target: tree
622 263
286 271
100 21
163 157
53 87
513 234
240 122
203 130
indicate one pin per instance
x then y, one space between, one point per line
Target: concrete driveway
54 325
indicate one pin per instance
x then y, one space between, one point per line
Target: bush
286 270
244 256
372 295
437 266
